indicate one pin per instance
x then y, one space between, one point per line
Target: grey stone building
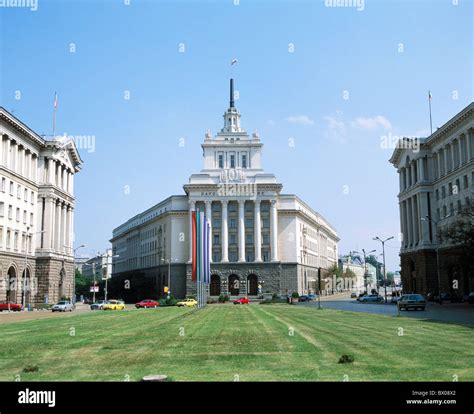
36 214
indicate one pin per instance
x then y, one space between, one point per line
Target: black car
470 298
304 298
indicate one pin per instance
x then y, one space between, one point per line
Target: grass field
227 343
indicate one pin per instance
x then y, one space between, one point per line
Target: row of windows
216 239
454 189
12 238
19 189
232 161
249 223
234 256
453 208
233 207
17 215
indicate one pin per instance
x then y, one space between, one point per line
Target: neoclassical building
436 180
36 214
262 240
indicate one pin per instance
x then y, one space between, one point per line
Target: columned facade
36 214
436 184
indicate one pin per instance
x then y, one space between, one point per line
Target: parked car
304 298
371 298
241 301
353 295
412 301
147 303
188 303
469 298
114 305
312 297
62 306
6 305
98 305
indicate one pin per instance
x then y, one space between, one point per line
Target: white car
62 306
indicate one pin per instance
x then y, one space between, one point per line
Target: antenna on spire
232 93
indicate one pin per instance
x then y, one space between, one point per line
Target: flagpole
431 122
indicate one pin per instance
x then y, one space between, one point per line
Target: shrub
223 298
295 295
344 359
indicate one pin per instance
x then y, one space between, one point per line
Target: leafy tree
378 267
460 235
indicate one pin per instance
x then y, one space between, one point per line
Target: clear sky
297 62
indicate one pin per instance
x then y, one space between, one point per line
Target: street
461 313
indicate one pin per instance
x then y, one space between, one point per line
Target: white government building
262 240
36 214
436 180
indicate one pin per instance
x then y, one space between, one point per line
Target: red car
147 303
4 306
241 301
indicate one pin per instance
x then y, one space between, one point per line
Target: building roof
435 136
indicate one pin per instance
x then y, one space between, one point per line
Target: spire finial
231 93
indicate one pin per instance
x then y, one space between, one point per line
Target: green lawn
226 343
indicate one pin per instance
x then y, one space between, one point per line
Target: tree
460 236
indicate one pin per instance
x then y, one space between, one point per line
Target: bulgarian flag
201 270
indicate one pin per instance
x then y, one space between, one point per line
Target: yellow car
189 303
114 305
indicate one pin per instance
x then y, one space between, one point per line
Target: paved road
461 313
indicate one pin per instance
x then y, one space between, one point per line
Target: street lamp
384 269
169 272
23 299
438 240
106 271
365 267
74 267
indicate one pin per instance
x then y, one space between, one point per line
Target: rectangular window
17 214
266 238
216 223
10 212
221 161
249 223
437 195
232 223
4 184
233 239
265 255
24 217
25 195
18 191
266 223
216 240
450 189
249 239
249 256
216 257
244 161
8 239
2 208
232 256
11 187
443 192
465 181
232 161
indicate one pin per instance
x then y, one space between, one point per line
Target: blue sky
296 59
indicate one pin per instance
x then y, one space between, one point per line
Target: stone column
257 232
51 225
469 146
402 223
274 230
241 231
224 232
460 148
445 160
64 178
71 230
421 169
416 219
51 171
62 247
71 183
192 207
208 204
7 153
57 233
409 222
2 153
425 225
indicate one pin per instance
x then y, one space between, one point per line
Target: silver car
62 306
412 301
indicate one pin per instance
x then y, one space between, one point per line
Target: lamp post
106 271
384 269
74 267
23 299
438 240
365 267
169 272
